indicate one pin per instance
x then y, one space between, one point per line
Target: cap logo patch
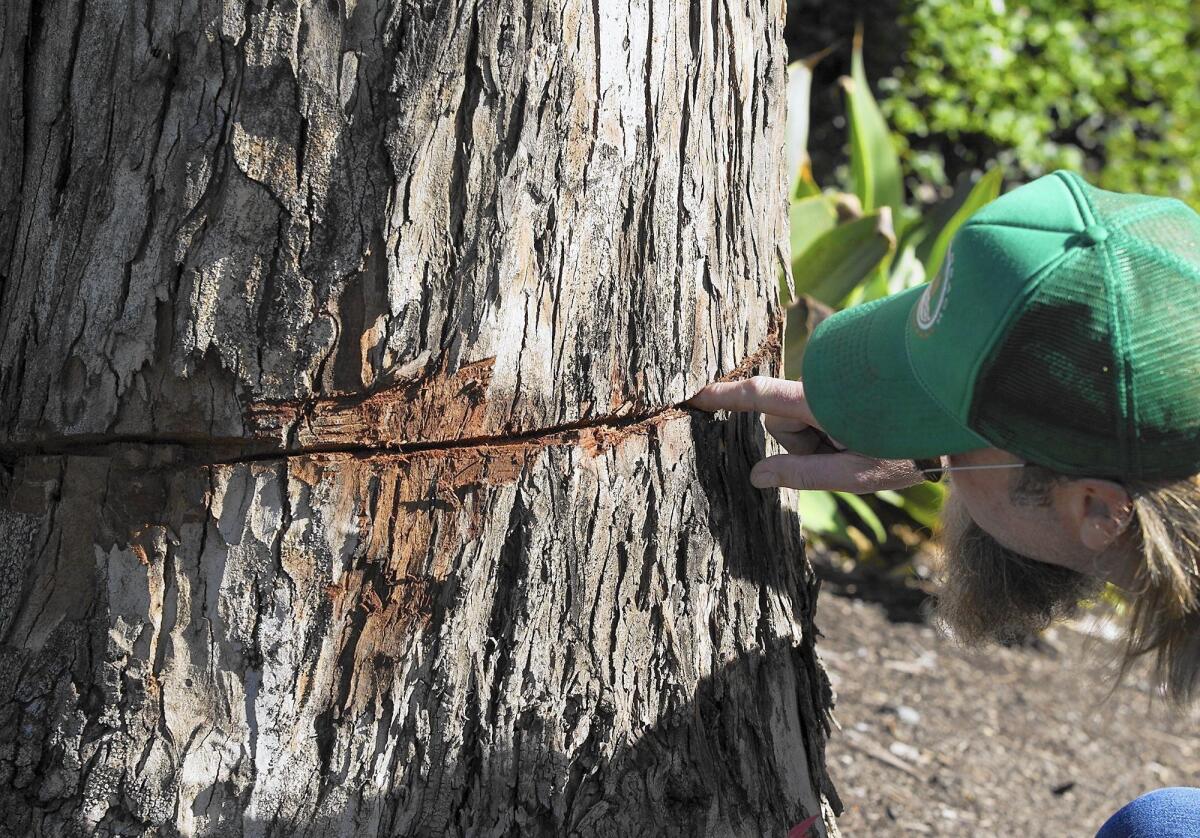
933 300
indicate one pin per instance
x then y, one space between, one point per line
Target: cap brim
861 387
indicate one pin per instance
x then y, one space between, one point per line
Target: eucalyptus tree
347 487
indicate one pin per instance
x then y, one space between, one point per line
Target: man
1053 369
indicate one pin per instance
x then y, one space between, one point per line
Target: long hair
1164 605
1164 602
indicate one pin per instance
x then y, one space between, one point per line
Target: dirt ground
939 740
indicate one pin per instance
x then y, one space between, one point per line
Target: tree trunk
346 485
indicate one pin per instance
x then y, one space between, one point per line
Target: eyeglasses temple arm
965 468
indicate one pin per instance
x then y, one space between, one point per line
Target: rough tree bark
346 487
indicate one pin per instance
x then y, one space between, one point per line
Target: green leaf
876 285
805 186
906 271
796 134
923 502
842 258
866 514
799 88
890 496
819 513
946 218
809 219
795 338
874 164
1115 598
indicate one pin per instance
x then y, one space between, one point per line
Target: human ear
1100 509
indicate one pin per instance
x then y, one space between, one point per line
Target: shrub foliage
1107 86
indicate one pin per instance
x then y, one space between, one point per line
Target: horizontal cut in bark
420 415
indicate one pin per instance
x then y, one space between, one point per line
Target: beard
991 593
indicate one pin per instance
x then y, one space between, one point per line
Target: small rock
905 751
903 712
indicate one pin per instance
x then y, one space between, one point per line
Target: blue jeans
1162 813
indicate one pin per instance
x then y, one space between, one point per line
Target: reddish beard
990 593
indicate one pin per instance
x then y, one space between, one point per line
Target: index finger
761 394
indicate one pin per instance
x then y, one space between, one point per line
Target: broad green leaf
819 513
1115 598
795 337
842 258
799 88
796 142
865 514
874 164
926 228
805 186
876 285
932 249
923 502
809 219
890 496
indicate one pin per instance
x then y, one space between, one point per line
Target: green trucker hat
1063 326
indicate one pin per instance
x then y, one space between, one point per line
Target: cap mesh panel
1160 300
1068 388
1109 204
1051 384
1174 234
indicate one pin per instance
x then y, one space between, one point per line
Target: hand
805 466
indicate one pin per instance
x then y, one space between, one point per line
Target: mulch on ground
940 740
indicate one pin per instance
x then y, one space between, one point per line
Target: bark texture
345 485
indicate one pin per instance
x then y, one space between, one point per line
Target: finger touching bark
761 394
